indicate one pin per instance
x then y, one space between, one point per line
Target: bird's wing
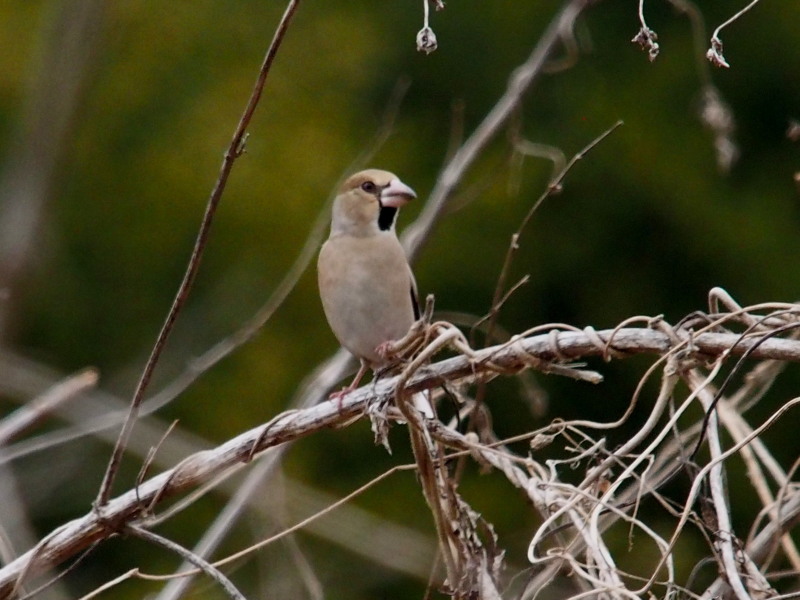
414 295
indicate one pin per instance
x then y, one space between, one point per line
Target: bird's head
368 201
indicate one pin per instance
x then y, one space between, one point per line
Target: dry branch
202 564
558 31
44 405
545 352
520 82
234 151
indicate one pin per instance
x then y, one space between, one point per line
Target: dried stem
234 151
714 54
471 366
44 405
520 82
202 564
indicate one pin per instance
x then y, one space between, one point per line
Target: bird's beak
396 194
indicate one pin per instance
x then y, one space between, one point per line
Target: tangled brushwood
706 352
686 468
722 361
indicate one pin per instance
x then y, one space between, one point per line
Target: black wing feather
415 303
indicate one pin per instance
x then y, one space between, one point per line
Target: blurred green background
646 224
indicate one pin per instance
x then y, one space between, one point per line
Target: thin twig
310 519
182 574
202 564
215 532
211 357
130 574
507 358
714 54
42 406
553 187
61 575
151 454
520 82
234 151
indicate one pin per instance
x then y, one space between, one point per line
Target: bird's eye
369 187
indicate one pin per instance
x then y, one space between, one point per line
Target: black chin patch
386 217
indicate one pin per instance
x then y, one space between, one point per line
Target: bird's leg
349 388
392 350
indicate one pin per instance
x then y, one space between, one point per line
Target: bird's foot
387 350
406 346
339 396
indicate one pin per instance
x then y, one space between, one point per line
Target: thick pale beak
396 194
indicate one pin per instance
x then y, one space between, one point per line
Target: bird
367 288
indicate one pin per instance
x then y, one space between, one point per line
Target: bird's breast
365 287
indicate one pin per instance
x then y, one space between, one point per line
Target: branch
235 150
201 563
41 406
521 81
541 351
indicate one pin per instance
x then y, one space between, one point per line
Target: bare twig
202 564
129 574
508 358
321 513
42 406
60 575
520 82
234 151
553 187
151 454
232 510
211 357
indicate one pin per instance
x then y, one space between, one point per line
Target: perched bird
367 288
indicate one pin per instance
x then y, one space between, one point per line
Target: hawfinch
368 291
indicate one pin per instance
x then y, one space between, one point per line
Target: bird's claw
386 350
